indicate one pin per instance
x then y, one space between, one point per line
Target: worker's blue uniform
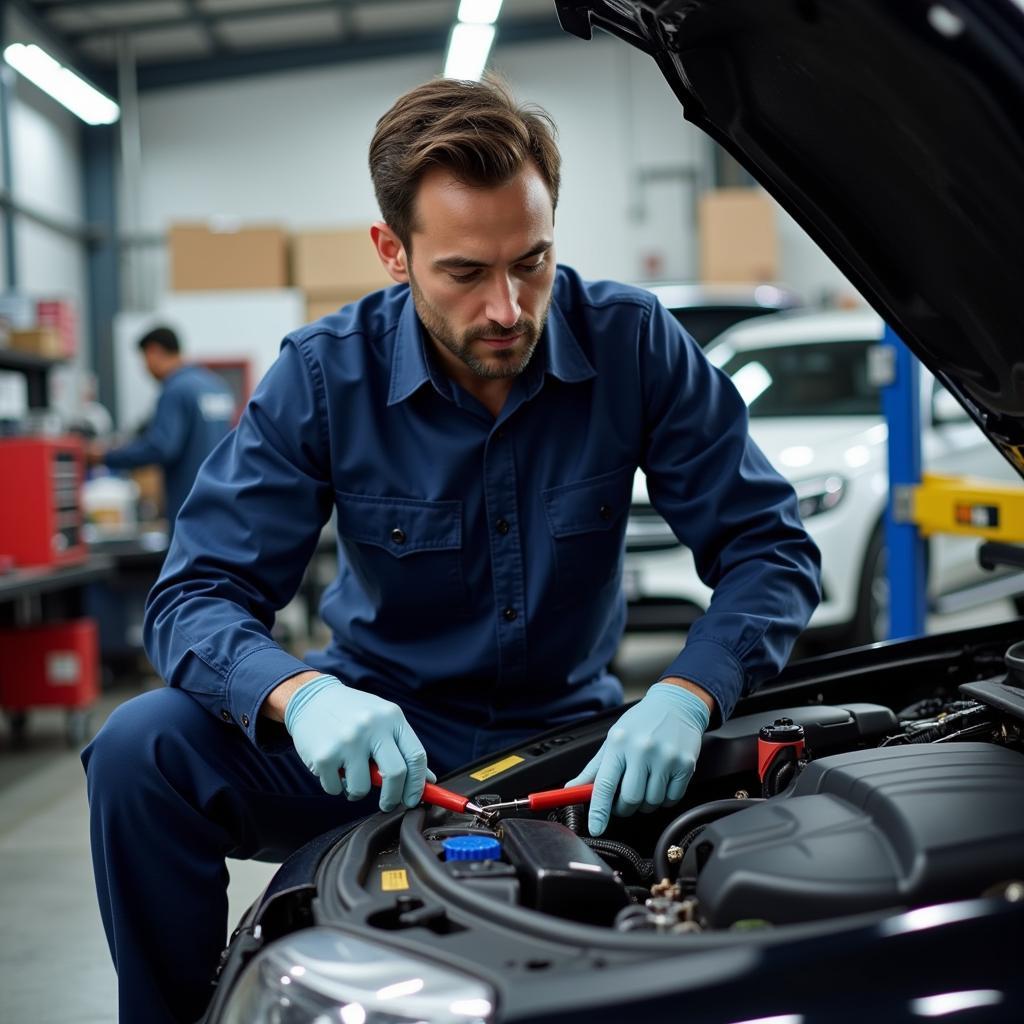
193 414
479 585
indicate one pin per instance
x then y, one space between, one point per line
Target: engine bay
864 802
815 812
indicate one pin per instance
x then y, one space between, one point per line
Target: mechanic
476 429
193 413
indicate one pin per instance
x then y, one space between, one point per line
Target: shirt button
398 535
510 614
605 511
502 526
226 715
245 721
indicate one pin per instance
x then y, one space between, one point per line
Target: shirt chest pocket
587 519
406 553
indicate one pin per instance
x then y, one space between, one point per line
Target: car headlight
819 494
324 976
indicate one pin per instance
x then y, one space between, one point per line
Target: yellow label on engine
394 880
496 769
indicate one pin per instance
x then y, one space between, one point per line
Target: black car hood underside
894 134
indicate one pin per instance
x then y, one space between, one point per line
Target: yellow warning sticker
394 880
496 769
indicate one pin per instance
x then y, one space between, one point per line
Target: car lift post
906 554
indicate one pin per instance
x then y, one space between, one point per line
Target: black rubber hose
642 868
780 774
688 820
573 818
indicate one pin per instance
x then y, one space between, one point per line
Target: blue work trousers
173 791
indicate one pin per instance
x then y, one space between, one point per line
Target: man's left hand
648 755
94 453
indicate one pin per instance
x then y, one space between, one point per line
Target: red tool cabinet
41 514
52 665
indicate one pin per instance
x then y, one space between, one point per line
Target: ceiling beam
63 5
346 51
206 24
211 19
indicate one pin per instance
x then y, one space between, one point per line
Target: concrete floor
54 964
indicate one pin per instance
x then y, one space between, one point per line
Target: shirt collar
410 369
563 356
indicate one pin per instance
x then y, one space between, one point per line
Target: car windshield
809 379
705 323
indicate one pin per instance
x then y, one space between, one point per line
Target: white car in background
816 415
706 310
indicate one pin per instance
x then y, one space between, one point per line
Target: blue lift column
901 403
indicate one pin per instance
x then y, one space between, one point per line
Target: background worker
476 430
193 413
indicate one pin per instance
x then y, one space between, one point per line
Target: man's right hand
338 729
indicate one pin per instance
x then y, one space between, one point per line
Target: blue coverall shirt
480 559
193 414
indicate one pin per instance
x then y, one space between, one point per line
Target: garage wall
47 176
292 147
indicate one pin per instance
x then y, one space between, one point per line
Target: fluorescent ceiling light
479 12
62 84
468 48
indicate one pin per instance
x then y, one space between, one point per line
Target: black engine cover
896 826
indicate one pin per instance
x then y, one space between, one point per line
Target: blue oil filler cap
471 848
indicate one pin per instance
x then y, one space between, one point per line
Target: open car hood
894 134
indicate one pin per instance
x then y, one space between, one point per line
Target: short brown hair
474 129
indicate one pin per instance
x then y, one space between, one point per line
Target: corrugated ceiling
180 41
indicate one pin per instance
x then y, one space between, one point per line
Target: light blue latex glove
651 750
335 728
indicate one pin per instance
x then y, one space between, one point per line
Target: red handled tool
438 796
546 800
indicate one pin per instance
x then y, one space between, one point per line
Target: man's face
482 270
152 356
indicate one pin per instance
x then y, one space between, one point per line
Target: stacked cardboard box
335 267
207 257
738 236
331 267
45 327
38 341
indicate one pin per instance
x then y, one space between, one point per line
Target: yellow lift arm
966 505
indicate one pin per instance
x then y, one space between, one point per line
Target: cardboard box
205 258
329 263
39 341
738 236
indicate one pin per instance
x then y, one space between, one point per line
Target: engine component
691 821
1000 694
894 826
473 848
559 874
967 719
660 914
624 857
780 751
731 748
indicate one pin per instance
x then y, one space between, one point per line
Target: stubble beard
496 365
